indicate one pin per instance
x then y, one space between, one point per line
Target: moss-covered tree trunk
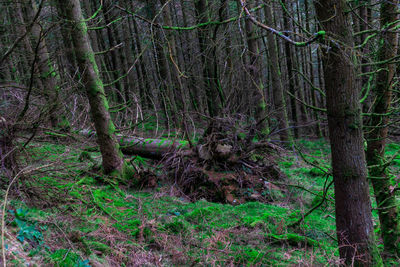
112 157
353 206
388 207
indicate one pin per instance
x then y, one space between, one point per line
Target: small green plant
67 258
27 229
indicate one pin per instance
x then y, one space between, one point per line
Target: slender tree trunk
92 34
171 46
321 84
277 90
353 207
165 90
388 207
20 28
188 57
256 84
314 92
210 80
114 55
112 157
223 15
145 91
70 62
289 65
47 73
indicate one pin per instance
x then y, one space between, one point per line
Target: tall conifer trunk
47 73
112 157
353 207
388 208
279 97
256 85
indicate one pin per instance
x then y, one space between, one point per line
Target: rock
203 152
223 151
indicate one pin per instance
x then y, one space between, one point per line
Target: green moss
321 33
248 256
176 226
128 173
238 231
84 156
316 172
293 239
95 245
64 124
129 226
66 258
86 180
203 214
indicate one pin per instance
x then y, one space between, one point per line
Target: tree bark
353 207
152 148
256 83
289 65
388 206
112 157
208 59
47 73
277 90
114 55
165 90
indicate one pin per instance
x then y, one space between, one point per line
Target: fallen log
146 147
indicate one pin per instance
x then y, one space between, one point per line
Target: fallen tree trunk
146 147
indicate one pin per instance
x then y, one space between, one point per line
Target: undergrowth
78 220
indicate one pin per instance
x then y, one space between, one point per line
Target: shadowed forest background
199 133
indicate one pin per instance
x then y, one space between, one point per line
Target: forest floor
76 217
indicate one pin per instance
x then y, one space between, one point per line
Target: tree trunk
314 92
381 181
47 73
277 90
353 207
289 65
171 46
207 59
256 84
165 88
145 91
112 157
152 148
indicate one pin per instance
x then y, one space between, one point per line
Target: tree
256 85
353 207
277 90
211 83
388 208
112 157
291 76
47 73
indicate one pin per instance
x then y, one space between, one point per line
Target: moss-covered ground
74 217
